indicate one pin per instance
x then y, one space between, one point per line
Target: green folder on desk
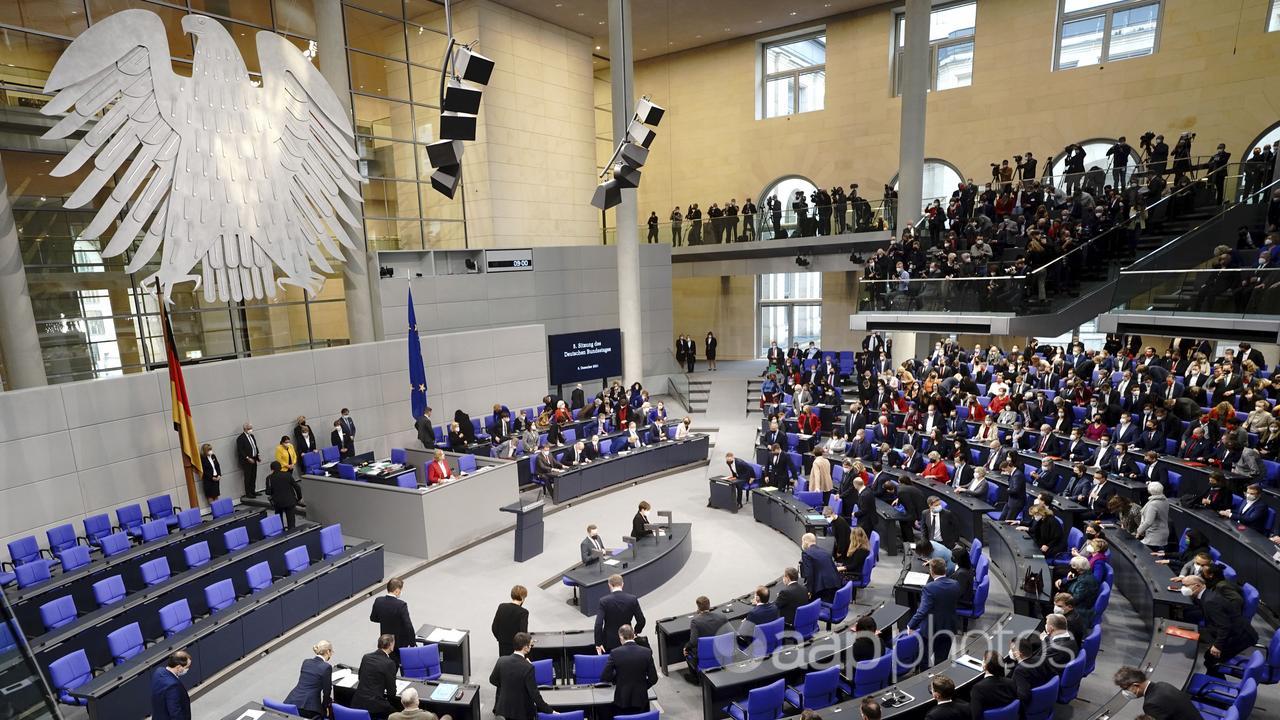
443 692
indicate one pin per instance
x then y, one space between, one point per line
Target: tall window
1097 31
1095 156
1273 17
786 189
950 46
795 75
790 309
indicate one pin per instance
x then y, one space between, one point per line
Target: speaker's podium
528 527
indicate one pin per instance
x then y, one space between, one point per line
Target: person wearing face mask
546 468
1216 497
1251 513
1226 631
169 699
210 473
1083 587
1159 699
682 430
1029 668
592 547
1154 529
1196 567
1065 605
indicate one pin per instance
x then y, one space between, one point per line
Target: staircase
753 395
699 394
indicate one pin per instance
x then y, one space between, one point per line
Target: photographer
841 205
1026 167
822 201
801 210
1119 154
1217 169
1182 157
1073 167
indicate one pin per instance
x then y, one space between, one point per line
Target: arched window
785 188
1270 136
940 180
1095 155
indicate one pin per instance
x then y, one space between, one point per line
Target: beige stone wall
1213 73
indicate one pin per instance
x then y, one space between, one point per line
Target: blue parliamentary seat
175 617
587 668
125 642
197 554
258 577
544 672
763 703
96 527
221 507
271 526
331 543
68 673
161 508
423 662
61 537
155 571
56 613
297 559
820 689
109 591
236 539
281 707
872 675
220 595
189 518
74 558
129 519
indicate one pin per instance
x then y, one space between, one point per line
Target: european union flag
417 372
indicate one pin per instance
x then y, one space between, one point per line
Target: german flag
181 407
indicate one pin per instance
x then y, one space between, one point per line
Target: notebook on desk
444 692
916 579
445 635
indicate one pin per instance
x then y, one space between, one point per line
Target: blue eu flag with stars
417 372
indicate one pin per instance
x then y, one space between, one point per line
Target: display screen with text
574 357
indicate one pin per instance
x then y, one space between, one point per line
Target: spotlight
473 67
648 113
470 265
608 194
634 155
802 261
639 134
445 180
457 126
626 176
443 153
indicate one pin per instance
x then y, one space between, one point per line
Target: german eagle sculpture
248 182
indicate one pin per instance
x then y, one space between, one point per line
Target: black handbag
1033 583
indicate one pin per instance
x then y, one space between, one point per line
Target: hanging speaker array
466 73
623 169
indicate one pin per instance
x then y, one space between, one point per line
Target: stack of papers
444 692
401 685
446 635
611 561
970 661
917 579
343 677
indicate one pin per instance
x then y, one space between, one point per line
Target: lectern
528 527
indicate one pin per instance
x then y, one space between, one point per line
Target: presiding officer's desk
89 631
466 707
1171 658
741 673
650 563
1014 553
916 687
559 646
123 692
455 655
419 459
578 480
1249 552
786 513
78 583
1144 581
423 522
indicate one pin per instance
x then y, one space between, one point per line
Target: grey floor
732 554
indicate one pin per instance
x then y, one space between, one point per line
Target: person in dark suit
304 440
740 473
946 706
376 681
248 456
577 398
285 491
706 623
866 644
839 529
1216 497
426 431
865 514
1059 647
1226 631
1100 493
937 608
994 690
510 618
210 473
1064 604
346 443
616 609
517 696
780 473
1030 670
314 692
1017 495
640 520
631 670
762 611
939 524
546 467
1252 513
392 615
791 596
911 500
818 569
1159 699
169 699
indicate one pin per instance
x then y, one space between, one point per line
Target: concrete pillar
622 78
914 88
19 339
332 52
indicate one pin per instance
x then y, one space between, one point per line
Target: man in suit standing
1159 699
937 607
780 473
376 681
740 473
631 670
392 615
517 695
818 568
169 699
591 547
247 452
1226 631
346 443
511 618
348 424
939 524
865 514
615 610
314 692
426 431
791 596
705 623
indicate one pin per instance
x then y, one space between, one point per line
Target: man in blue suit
314 691
1017 495
631 670
1251 513
169 699
818 569
615 610
741 473
938 608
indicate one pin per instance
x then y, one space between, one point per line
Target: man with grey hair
409 699
248 457
1059 647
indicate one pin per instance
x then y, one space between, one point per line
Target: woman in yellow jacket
286 454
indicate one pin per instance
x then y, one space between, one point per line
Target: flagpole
193 499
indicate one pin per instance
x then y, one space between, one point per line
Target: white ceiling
665 26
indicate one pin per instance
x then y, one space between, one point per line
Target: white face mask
1059 609
1187 592
1129 694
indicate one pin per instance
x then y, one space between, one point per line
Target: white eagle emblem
243 180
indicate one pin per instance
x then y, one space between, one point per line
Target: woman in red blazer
438 471
936 469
